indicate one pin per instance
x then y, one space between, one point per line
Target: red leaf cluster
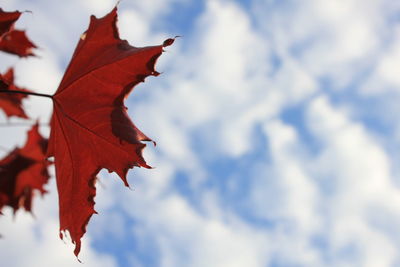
22 170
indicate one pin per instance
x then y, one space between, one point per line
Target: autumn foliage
90 129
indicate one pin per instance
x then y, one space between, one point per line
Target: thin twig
17 124
25 93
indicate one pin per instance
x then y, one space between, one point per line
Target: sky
278 139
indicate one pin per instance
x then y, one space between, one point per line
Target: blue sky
277 135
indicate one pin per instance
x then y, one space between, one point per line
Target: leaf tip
170 41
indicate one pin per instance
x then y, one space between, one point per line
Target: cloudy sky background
277 130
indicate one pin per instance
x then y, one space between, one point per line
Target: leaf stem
11 124
25 93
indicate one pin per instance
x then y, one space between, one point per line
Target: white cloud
333 196
186 237
358 172
336 41
154 9
98 7
284 194
224 80
385 75
297 192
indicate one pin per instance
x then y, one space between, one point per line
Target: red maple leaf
13 41
90 127
7 20
22 171
11 104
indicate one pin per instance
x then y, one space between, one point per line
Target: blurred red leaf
11 104
13 41
7 20
90 127
22 171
